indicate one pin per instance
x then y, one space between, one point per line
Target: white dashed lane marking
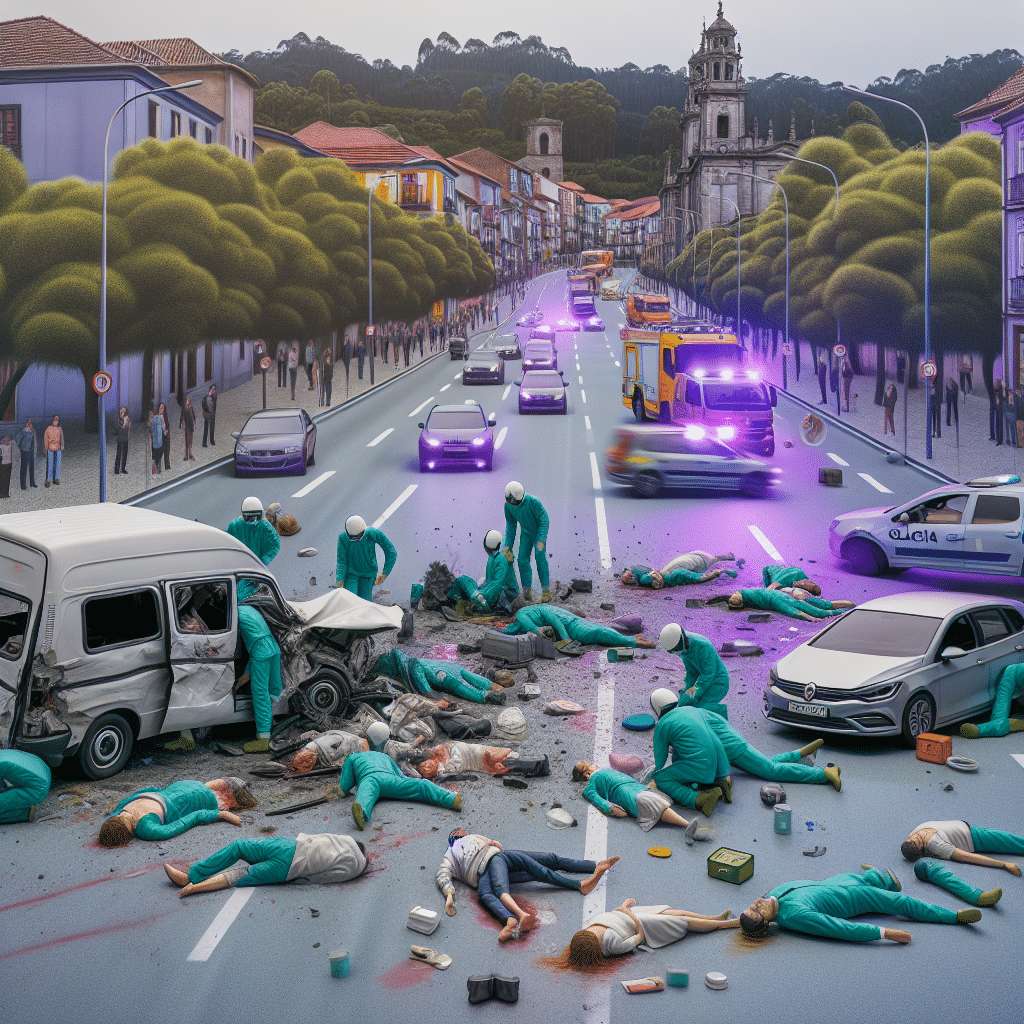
770 548
380 437
874 483
419 407
221 923
500 439
316 483
393 507
838 461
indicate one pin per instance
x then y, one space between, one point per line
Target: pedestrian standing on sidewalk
995 414
310 360
6 464
282 363
952 394
934 392
406 348
156 440
53 442
360 355
397 348
209 408
293 366
187 422
328 377
889 405
25 439
1009 416
966 369
822 381
847 381
124 425
419 338
161 411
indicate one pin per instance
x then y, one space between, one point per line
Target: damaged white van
119 623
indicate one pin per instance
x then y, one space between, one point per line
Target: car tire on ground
647 484
918 717
639 413
312 456
865 557
769 449
754 485
106 747
490 464
327 692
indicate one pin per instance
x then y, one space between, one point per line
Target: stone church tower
717 143
543 148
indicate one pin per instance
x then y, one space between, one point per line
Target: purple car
542 391
540 355
456 437
275 441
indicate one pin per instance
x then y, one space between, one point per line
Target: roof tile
42 42
1006 94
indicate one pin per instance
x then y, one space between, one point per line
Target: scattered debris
513 783
306 552
313 912
816 852
743 648
583 587
759 617
608 606
468 648
947 787
288 808
558 817
562 707
694 602
423 920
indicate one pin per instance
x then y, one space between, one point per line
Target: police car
973 527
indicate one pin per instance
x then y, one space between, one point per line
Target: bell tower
544 148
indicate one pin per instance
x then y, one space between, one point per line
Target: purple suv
456 437
275 441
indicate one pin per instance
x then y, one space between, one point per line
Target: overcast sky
856 41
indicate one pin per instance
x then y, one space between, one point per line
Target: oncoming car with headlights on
456 437
540 355
507 347
898 666
542 391
973 527
484 369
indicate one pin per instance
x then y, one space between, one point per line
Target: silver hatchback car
898 665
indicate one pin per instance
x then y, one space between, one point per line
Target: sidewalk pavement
79 475
961 455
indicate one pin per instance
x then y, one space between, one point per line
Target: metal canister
783 819
340 964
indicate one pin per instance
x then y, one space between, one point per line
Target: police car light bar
994 481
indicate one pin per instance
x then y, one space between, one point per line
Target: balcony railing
1015 189
1015 292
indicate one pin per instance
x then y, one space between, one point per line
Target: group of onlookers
26 442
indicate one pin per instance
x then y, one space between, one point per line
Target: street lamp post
927 255
694 214
102 403
369 247
739 260
785 200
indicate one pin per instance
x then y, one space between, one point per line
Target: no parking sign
102 382
929 368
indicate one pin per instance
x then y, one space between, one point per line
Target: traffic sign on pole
371 331
787 348
839 350
265 363
929 368
102 382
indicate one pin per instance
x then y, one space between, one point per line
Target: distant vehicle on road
458 347
898 666
585 313
540 355
530 319
275 441
456 437
652 311
507 346
542 391
485 369
656 458
973 527
611 289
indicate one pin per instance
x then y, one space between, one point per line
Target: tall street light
927 255
785 200
369 247
694 214
739 261
103 273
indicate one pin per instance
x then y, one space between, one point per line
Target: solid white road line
583 396
446 387
500 439
838 461
773 551
221 923
504 393
874 483
380 437
420 407
316 483
1019 758
394 505
602 533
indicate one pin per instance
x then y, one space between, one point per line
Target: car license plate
818 710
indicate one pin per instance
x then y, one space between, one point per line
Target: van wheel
639 413
665 413
106 747
918 717
327 692
647 485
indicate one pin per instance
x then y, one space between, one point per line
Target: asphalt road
100 936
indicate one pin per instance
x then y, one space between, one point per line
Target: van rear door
22 578
203 627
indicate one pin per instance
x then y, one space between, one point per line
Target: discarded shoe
506 989
442 961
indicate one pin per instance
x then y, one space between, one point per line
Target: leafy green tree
326 85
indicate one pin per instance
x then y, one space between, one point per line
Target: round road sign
371 331
787 348
102 382
839 351
266 363
928 368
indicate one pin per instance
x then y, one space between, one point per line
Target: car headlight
292 449
240 449
433 442
773 676
726 433
494 368
526 394
479 440
880 691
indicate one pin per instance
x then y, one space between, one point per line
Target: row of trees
861 268
204 246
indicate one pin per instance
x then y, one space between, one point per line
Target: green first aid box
731 865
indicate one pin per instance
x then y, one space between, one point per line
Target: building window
723 126
154 120
543 143
728 70
10 129
175 124
716 71
209 135
1020 152
236 145
546 171
244 143
241 349
1020 245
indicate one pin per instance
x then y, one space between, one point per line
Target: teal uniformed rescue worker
707 679
264 671
645 576
321 858
499 578
1009 688
776 576
24 783
568 626
784 767
357 569
698 757
426 674
822 908
796 603
526 511
376 775
158 814
255 532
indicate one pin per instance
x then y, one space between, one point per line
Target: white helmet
378 734
492 541
663 698
514 492
355 527
672 635
252 509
